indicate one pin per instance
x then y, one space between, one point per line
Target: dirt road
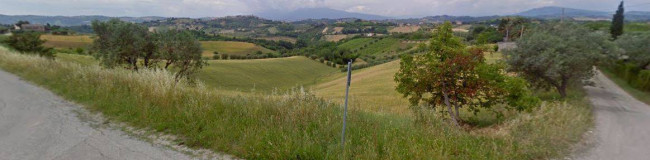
36 124
622 123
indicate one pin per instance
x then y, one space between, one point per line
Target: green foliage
632 74
618 21
513 27
558 55
489 36
452 75
120 43
123 43
29 42
179 49
636 48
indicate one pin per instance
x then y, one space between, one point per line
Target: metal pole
345 109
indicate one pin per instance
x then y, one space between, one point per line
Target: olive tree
637 48
180 50
558 54
452 75
122 43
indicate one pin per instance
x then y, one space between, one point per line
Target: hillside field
264 74
232 48
67 42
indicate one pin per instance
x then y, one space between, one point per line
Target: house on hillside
33 27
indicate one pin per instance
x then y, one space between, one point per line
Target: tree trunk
456 106
562 88
449 110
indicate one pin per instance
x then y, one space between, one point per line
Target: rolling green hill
232 48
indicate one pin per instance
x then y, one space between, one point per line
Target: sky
219 8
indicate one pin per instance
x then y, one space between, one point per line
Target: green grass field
295 124
264 74
261 75
232 48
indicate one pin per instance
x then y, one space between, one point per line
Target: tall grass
296 124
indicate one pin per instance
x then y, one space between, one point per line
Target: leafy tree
637 48
120 42
617 22
512 27
180 50
29 42
559 54
452 75
489 36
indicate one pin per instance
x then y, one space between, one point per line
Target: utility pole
345 109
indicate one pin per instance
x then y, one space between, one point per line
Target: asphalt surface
36 124
622 123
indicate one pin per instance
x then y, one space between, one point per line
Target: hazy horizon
219 8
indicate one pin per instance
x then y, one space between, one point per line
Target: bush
643 80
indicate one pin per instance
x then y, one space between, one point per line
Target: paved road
622 123
36 124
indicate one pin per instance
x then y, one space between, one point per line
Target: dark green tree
559 55
180 50
122 43
617 22
29 42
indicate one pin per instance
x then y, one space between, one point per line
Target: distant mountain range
316 13
556 12
68 20
551 12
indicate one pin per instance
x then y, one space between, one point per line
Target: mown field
67 42
232 48
297 125
264 74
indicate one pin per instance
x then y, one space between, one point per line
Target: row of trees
129 45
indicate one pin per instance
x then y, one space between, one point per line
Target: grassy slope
373 88
355 43
231 47
246 75
642 96
296 125
263 74
66 42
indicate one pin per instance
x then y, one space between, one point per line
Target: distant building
459 22
33 27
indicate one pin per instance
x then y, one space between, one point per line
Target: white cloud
213 8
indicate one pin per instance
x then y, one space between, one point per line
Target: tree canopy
618 21
29 42
637 48
452 75
131 45
559 54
